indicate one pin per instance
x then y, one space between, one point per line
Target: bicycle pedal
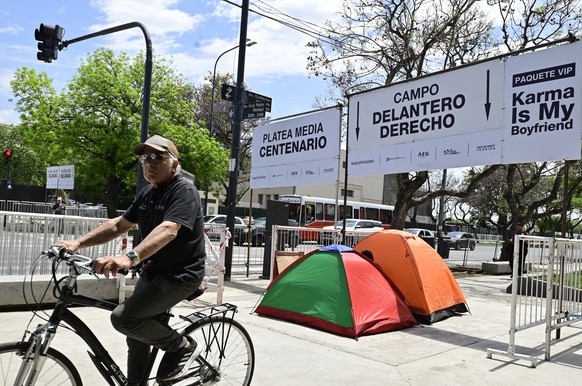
192 375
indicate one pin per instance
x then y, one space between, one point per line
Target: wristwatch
135 260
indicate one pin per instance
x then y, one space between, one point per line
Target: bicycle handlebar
74 258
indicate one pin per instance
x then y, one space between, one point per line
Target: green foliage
202 156
39 108
95 123
25 167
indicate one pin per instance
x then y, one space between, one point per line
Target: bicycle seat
199 291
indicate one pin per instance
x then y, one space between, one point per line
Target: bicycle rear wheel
226 346
57 369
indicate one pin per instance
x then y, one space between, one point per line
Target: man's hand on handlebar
111 265
69 245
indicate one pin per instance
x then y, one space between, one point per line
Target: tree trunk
113 189
408 184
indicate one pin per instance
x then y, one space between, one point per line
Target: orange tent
424 279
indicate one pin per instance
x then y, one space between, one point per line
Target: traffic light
7 155
49 37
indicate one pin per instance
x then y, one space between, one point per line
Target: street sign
253 110
255 105
228 92
252 97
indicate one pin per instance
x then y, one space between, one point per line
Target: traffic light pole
145 115
8 161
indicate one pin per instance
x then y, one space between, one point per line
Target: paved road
481 253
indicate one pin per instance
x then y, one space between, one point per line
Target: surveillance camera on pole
49 37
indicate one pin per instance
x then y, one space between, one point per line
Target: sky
191 33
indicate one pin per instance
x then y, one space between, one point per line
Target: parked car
214 223
425 234
259 236
462 240
368 226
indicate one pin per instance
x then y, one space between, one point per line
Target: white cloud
281 51
163 20
11 30
193 33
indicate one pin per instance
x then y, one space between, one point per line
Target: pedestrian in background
522 251
60 208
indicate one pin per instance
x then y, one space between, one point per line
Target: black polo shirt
179 202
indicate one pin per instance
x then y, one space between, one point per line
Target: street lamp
249 43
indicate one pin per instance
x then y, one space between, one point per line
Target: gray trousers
136 318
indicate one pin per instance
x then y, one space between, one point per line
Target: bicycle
227 357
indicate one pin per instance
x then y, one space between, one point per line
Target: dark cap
159 143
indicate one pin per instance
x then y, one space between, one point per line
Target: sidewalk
450 352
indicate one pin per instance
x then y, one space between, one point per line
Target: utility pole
234 151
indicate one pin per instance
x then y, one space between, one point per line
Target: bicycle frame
44 334
214 323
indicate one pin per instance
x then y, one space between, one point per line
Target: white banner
60 177
452 103
524 109
297 151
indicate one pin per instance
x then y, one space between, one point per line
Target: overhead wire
320 33
302 26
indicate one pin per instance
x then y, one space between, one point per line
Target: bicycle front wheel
57 369
227 347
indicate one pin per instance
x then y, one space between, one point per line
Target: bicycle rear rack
226 309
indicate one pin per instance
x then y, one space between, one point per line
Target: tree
525 193
526 23
96 122
38 104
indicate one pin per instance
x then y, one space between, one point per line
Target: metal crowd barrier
24 235
284 237
548 291
249 257
46 208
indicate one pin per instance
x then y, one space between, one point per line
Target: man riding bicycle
170 251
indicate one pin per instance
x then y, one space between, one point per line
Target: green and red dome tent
337 289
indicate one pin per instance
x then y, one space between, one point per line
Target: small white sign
60 177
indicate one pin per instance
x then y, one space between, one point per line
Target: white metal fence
24 235
46 208
548 291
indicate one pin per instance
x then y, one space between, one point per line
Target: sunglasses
156 157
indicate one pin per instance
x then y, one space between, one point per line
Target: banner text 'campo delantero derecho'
414 118
302 139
